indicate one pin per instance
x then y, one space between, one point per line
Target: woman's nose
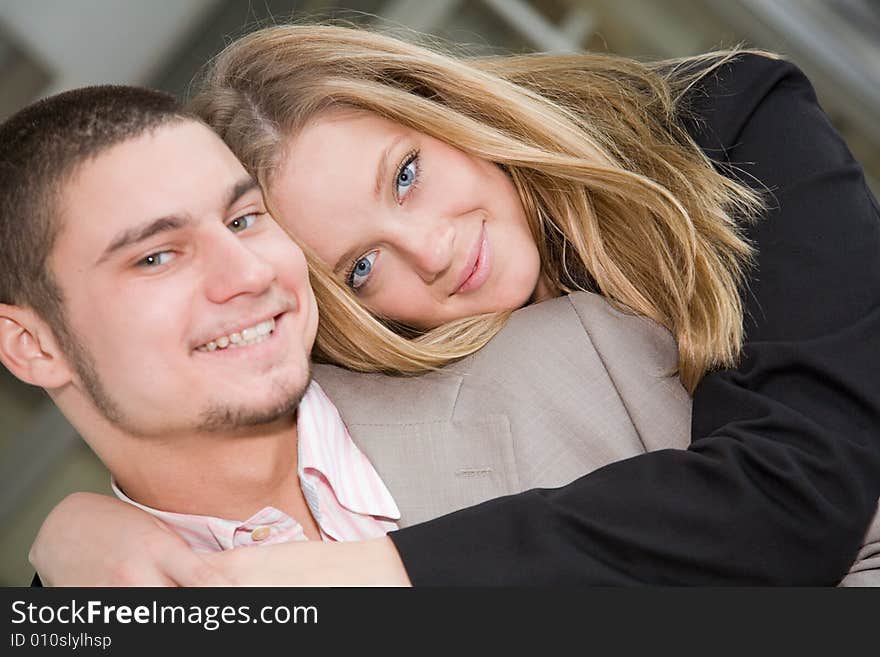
428 246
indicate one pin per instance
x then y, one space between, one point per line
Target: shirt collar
325 449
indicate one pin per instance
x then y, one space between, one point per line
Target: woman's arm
312 563
95 540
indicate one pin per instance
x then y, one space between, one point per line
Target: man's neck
212 474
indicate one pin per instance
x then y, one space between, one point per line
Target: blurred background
48 46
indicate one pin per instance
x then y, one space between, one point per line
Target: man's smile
243 338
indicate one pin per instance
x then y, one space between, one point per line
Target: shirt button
260 534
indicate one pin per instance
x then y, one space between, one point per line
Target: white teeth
248 336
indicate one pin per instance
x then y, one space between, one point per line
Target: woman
580 148
594 173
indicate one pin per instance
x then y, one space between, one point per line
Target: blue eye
155 259
361 270
244 222
407 175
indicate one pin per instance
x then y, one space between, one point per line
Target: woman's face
422 232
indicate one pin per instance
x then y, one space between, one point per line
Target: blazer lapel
431 464
434 468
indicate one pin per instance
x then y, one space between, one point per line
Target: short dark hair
41 148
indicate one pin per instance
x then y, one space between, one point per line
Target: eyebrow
344 259
148 229
382 169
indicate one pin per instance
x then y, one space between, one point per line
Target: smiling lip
255 351
239 330
478 266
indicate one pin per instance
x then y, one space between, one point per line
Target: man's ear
29 350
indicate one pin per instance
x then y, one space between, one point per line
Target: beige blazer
568 386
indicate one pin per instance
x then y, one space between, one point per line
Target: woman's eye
407 175
242 223
156 259
361 270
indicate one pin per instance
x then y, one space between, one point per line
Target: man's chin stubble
225 418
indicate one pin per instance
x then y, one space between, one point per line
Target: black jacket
783 473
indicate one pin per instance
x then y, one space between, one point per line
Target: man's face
190 307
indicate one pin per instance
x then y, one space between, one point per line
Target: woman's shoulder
720 105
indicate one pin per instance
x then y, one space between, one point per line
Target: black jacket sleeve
783 473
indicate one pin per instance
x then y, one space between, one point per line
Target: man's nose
233 268
428 245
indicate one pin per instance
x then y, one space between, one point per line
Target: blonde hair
619 198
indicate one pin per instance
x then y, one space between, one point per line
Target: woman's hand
95 540
373 562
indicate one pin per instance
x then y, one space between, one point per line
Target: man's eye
156 259
242 223
361 270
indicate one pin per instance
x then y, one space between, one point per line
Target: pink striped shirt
342 489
